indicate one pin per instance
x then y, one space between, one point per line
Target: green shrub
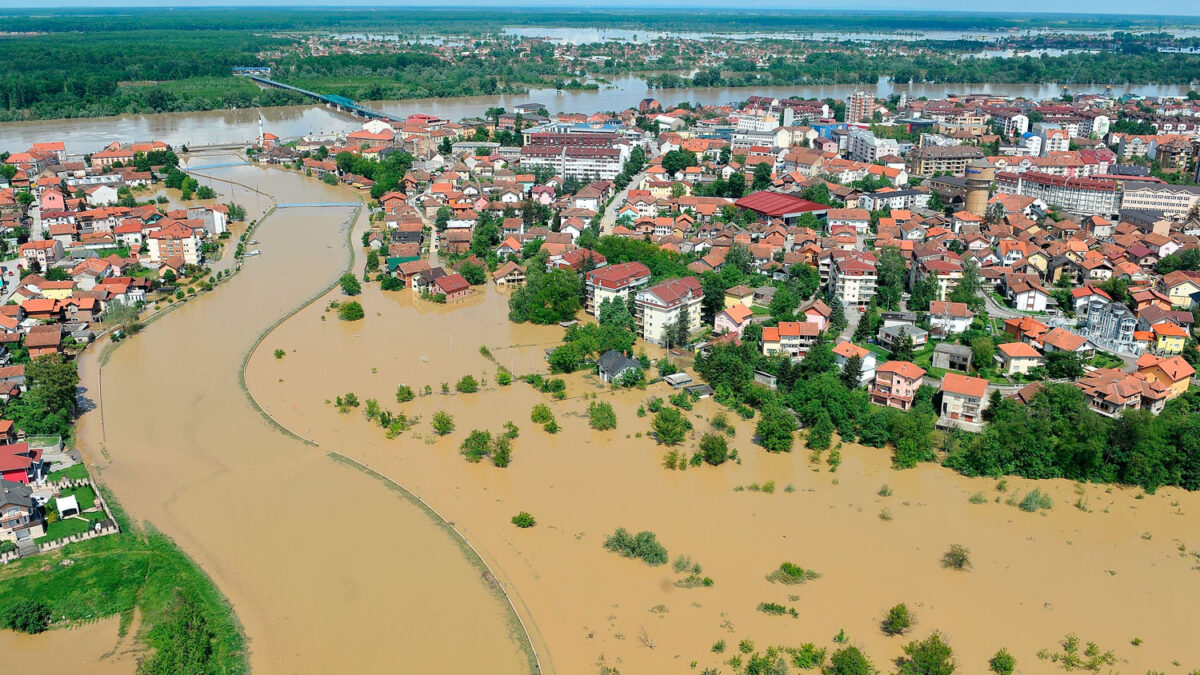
773 608
791 573
978 498
27 616
670 426
849 661
551 427
524 520
501 451
808 656
349 284
404 394
654 404
541 414
897 620
350 311
279 353
1002 663
477 445
503 377
467 385
931 656
713 449
443 422
601 416
1035 500
958 557
885 490
643 546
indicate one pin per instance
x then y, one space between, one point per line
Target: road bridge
340 103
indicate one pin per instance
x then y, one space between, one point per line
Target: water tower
980 175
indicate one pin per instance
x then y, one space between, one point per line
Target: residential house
1174 373
1110 392
1060 339
613 364
817 312
453 286
790 337
890 336
844 351
509 274
1168 338
947 356
20 518
732 320
949 318
739 295
964 399
1017 358
896 384
20 463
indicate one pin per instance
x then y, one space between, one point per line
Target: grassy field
75 472
138 570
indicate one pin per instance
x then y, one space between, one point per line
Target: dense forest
848 67
87 63
147 71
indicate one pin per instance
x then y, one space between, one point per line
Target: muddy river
1124 569
218 127
327 568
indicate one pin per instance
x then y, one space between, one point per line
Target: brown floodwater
1125 568
90 648
328 569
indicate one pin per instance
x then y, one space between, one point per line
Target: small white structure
67 506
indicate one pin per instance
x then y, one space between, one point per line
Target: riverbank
220 127
324 567
1040 576
135 571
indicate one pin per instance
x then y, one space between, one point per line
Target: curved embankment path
327 568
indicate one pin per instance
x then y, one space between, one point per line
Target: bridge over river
340 103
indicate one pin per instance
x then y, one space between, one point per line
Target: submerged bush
958 557
791 573
523 520
643 546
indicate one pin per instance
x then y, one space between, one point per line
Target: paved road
998 311
609 219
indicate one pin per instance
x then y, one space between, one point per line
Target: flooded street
327 568
1121 570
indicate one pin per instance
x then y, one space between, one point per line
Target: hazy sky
1077 6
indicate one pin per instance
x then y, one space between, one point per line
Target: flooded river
327 568
1120 570
241 126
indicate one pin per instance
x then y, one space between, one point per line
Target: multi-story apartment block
852 281
660 308
620 281
1085 196
1172 200
933 159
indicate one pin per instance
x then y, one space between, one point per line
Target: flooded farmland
327 568
1119 571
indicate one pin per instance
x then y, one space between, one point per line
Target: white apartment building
661 306
577 162
1172 200
863 146
852 281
